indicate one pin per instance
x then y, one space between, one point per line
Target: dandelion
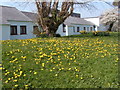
42 69
76 75
0 68
56 75
26 85
43 64
16 85
13 57
81 78
69 68
6 81
91 76
35 72
21 72
9 78
24 75
53 68
15 80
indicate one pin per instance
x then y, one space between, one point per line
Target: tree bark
110 27
49 17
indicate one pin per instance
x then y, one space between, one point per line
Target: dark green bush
101 33
57 35
42 35
83 32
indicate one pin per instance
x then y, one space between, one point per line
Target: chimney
76 15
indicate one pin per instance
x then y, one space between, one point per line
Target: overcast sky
97 10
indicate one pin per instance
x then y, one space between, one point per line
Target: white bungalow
97 23
15 25
73 26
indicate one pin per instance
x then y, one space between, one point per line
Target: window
23 30
73 29
84 28
78 29
90 28
64 28
13 30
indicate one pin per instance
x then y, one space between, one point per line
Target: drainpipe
67 30
96 28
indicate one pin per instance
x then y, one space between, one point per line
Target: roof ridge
28 12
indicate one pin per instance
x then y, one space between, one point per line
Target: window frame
13 31
84 28
78 29
64 28
21 32
91 28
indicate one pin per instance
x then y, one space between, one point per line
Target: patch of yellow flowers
61 54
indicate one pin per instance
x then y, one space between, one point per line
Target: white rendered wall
4 32
29 28
71 31
96 20
60 31
0 32
81 27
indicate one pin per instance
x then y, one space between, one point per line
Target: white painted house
16 24
73 26
98 24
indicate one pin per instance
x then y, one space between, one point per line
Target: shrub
83 32
57 35
101 33
42 35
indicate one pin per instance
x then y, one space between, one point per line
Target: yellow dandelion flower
16 85
24 75
15 80
81 78
26 85
6 81
56 75
9 78
43 64
0 68
35 72
76 75
51 70
42 69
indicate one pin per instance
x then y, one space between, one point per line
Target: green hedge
101 33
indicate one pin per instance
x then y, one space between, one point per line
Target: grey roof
74 20
11 13
32 16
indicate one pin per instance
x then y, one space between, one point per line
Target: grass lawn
67 62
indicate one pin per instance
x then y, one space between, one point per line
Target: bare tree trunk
110 27
50 17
